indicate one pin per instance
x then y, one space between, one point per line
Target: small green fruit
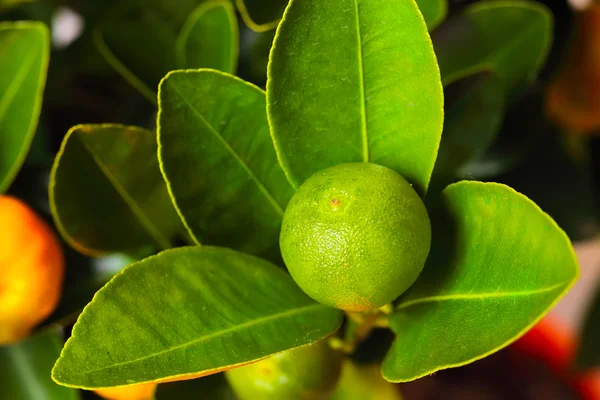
355 236
364 383
306 373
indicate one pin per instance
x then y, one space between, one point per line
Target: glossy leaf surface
261 15
497 266
25 370
474 107
512 37
209 38
189 312
107 193
333 97
25 52
219 161
434 12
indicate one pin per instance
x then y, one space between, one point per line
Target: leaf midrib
480 296
263 189
153 230
363 97
254 322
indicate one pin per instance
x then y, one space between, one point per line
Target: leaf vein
363 98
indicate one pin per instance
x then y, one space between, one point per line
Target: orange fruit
31 270
135 392
305 373
573 97
355 236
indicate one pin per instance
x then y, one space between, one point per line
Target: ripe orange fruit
355 236
308 372
135 392
31 270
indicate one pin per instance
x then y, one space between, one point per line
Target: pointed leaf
189 312
500 264
106 191
219 161
434 12
333 95
25 370
209 38
25 51
138 38
261 15
512 37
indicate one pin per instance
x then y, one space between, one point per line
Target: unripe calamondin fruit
305 373
355 236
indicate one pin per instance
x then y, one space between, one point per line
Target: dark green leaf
434 12
219 161
138 38
261 15
588 354
24 51
106 191
209 38
25 370
362 86
474 107
512 37
497 266
189 312
13 3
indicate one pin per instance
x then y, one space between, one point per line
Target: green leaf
209 38
189 312
25 52
261 15
512 37
588 353
106 191
25 370
13 3
138 38
497 266
434 12
219 161
365 86
474 108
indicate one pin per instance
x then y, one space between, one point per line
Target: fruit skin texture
305 373
360 382
134 392
355 236
31 270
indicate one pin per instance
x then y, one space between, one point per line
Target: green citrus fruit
355 236
364 382
305 373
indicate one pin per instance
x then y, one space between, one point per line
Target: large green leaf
362 86
107 193
24 51
219 161
513 37
187 312
25 370
497 266
588 353
261 15
474 107
209 38
434 12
